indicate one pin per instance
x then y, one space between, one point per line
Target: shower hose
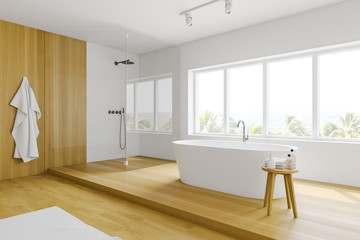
122 128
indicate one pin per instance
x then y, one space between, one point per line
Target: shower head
126 62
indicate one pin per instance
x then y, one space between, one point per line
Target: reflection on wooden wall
65 94
56 68
21 54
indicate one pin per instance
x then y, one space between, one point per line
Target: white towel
26 131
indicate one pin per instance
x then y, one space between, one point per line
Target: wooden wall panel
65 95
21 54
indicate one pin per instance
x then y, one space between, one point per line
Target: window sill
149 132
277 138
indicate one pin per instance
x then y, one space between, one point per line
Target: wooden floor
326 211
110 214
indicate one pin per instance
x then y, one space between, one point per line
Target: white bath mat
48 224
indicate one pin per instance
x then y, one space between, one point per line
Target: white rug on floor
49 224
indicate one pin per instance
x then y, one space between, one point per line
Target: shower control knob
117 112
109 111
112 112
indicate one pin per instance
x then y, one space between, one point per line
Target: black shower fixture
126 62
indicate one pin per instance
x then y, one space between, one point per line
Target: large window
339 98
308 95
149 105
210 92
245 86
290 97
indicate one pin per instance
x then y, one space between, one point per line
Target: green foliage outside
349 128
145 124
255 129
130 121
166 127
293 127
211 122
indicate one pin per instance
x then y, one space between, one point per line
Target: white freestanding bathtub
228 166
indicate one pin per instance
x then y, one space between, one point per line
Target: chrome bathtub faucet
244 139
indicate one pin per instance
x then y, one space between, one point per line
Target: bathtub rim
288 147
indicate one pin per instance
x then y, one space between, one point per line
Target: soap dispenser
271 162
291 161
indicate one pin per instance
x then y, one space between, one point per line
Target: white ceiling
151 24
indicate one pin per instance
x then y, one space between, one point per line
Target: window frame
155 80
264 61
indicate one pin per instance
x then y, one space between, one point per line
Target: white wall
106 90
322 161
156 63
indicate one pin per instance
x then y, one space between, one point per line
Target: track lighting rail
187 13
200 6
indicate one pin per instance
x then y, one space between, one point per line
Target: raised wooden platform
326 211
110 214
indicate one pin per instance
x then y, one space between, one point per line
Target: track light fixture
228 6
187 13
188 19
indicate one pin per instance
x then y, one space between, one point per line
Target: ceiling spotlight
228 6
187 13
188 19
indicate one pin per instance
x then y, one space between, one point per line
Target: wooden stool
289 187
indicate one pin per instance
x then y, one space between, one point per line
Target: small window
130 106
149 104
145 106
164 105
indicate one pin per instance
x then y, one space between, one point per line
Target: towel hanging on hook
26 131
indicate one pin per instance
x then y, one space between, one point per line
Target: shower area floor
326 211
